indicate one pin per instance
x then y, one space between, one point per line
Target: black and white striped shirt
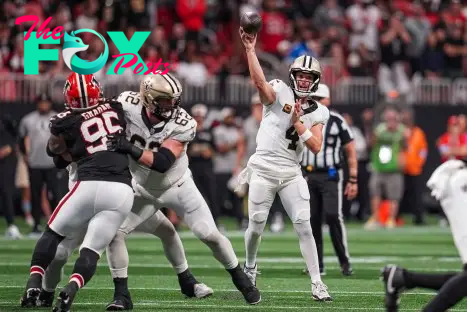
336 134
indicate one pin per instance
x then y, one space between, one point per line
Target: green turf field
154 285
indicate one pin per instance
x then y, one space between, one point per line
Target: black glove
118 143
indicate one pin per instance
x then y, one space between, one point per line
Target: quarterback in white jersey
156 140
291 122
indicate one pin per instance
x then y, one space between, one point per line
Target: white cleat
203 291
251 273
320 291
12 232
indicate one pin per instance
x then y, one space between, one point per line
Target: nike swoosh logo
181 184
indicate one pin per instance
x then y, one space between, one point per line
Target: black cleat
393 278
120 303
65 298
346 269
248 290
46 299
30 296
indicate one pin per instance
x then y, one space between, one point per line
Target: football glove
117 142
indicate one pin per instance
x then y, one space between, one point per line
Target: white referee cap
322 92
199 110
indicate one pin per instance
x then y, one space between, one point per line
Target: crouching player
448 184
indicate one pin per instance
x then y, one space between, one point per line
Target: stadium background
200 40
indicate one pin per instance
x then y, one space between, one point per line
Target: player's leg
67 217
190 205
375 194
112 203
296 200
261 194
161 227
397 279
54 272
332 205
394 190
316 208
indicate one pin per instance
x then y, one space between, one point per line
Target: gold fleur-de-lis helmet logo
147 86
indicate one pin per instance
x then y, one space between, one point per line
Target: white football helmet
154 88
305 64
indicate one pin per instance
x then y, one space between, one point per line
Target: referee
324 175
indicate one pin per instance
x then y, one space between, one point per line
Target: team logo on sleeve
287 108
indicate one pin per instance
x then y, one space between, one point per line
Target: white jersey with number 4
142 134
279 149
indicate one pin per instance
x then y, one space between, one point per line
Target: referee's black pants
37 179
326 196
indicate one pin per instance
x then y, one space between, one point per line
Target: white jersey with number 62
141 133
279 149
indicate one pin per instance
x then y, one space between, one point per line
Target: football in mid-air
251 22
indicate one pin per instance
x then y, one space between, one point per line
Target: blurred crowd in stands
394 41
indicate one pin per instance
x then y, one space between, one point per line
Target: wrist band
306 135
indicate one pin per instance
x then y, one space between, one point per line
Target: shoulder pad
277 84
185 127
129 98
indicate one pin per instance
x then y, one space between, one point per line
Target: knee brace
63 253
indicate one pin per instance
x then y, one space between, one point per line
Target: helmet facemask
302 86
164 108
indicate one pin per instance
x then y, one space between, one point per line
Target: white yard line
183 304
371 293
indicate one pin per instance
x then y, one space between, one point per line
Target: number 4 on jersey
292 135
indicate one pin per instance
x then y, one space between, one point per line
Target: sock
53 275
117 256
252 241
121 286
426 280
450 294
43 254
186 281
308 249
173 247
85 267
239 278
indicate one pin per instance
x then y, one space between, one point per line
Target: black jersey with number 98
85 134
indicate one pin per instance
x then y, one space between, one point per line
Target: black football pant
451 287
7 184
326 204
37 179
205 180
228 200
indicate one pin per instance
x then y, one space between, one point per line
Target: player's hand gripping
249 41
117 142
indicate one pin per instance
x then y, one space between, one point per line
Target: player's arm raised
266 92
